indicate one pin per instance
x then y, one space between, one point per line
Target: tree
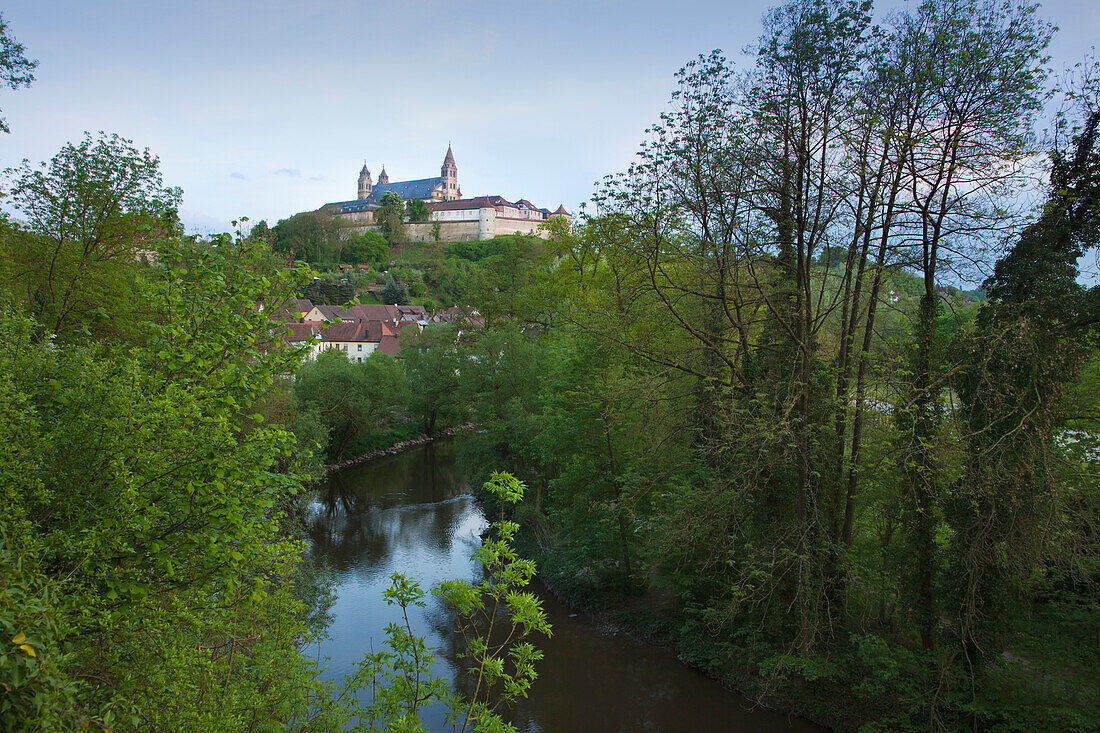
432 376
145 517
417 210
1033 337
370 247
390 216
350 397
311 236
16 70
93 214
261 231
329 291
978 70
394 293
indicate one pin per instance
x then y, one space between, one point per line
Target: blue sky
264 109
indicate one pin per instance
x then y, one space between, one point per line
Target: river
412 512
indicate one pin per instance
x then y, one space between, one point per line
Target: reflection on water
412 513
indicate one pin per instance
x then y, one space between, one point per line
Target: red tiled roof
347 331
374 312
302 331
333 312
374 331
389 345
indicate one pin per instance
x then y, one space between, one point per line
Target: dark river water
412 512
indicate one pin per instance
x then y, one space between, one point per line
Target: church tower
449 172
364 182
383 177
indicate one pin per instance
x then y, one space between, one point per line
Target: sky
265 109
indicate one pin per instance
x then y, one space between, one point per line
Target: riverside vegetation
752 416
150 574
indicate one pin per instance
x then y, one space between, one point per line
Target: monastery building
451 218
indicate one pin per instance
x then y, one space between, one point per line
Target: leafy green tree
16 70
368 248
94 215
1032 340
148 519
433 366
260 230
349 397
417 210
312 236
390 217
509 283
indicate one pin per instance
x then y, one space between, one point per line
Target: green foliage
395 293
398 677
495 617
93 215
370 248
37 689
312 236
327 290
475 250
144 505
16 70
348 397
510 283
417 210
433 366
390 217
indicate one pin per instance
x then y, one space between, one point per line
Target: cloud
237 175
316 178
288 172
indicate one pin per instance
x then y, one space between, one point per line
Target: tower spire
364 182
449 174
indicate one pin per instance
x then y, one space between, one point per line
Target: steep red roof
561 210
374 331
389 345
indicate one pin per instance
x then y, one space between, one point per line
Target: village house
359 330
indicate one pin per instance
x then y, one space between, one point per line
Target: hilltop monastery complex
458 219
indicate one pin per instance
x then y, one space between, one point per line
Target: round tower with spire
383 177
449 173
364 182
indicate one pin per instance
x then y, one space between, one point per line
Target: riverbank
398 447
599 673
648 619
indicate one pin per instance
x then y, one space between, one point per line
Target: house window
360 347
